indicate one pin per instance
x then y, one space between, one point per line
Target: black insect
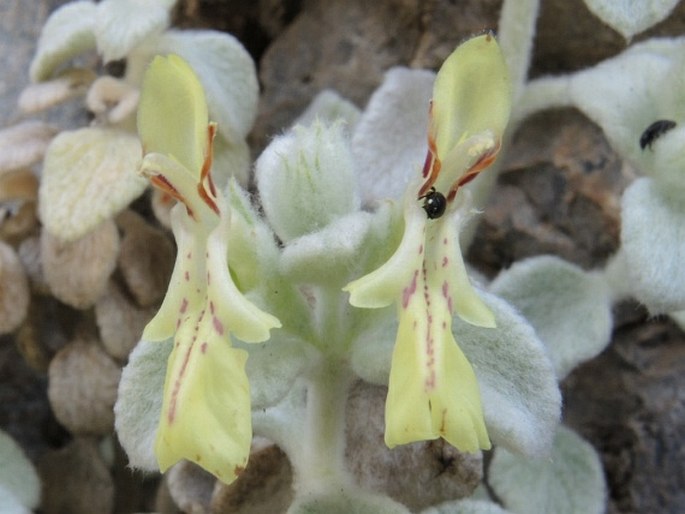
434 203
654 132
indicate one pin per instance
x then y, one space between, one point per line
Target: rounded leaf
629 17
519 391
569 308
570 481
652 239
89 175
139 402
68 32
389 143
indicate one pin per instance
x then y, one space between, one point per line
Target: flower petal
206 414
384 286
471 95
227 73
432 390
450 272
172 115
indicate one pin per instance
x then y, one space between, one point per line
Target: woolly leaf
652 243
519 391
569 309
139 402
569 482
10 504
629 17
389 142
650 90
89 175
123 24
68 32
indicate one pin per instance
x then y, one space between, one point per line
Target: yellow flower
206 415
433 390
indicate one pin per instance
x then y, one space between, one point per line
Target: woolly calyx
652 238
329 107
205 415
89 175
569 309
551 485
628 17
252 250
306 180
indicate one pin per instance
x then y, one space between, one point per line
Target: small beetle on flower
433 390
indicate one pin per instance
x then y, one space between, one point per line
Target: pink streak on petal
446 294
409 291
218 326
